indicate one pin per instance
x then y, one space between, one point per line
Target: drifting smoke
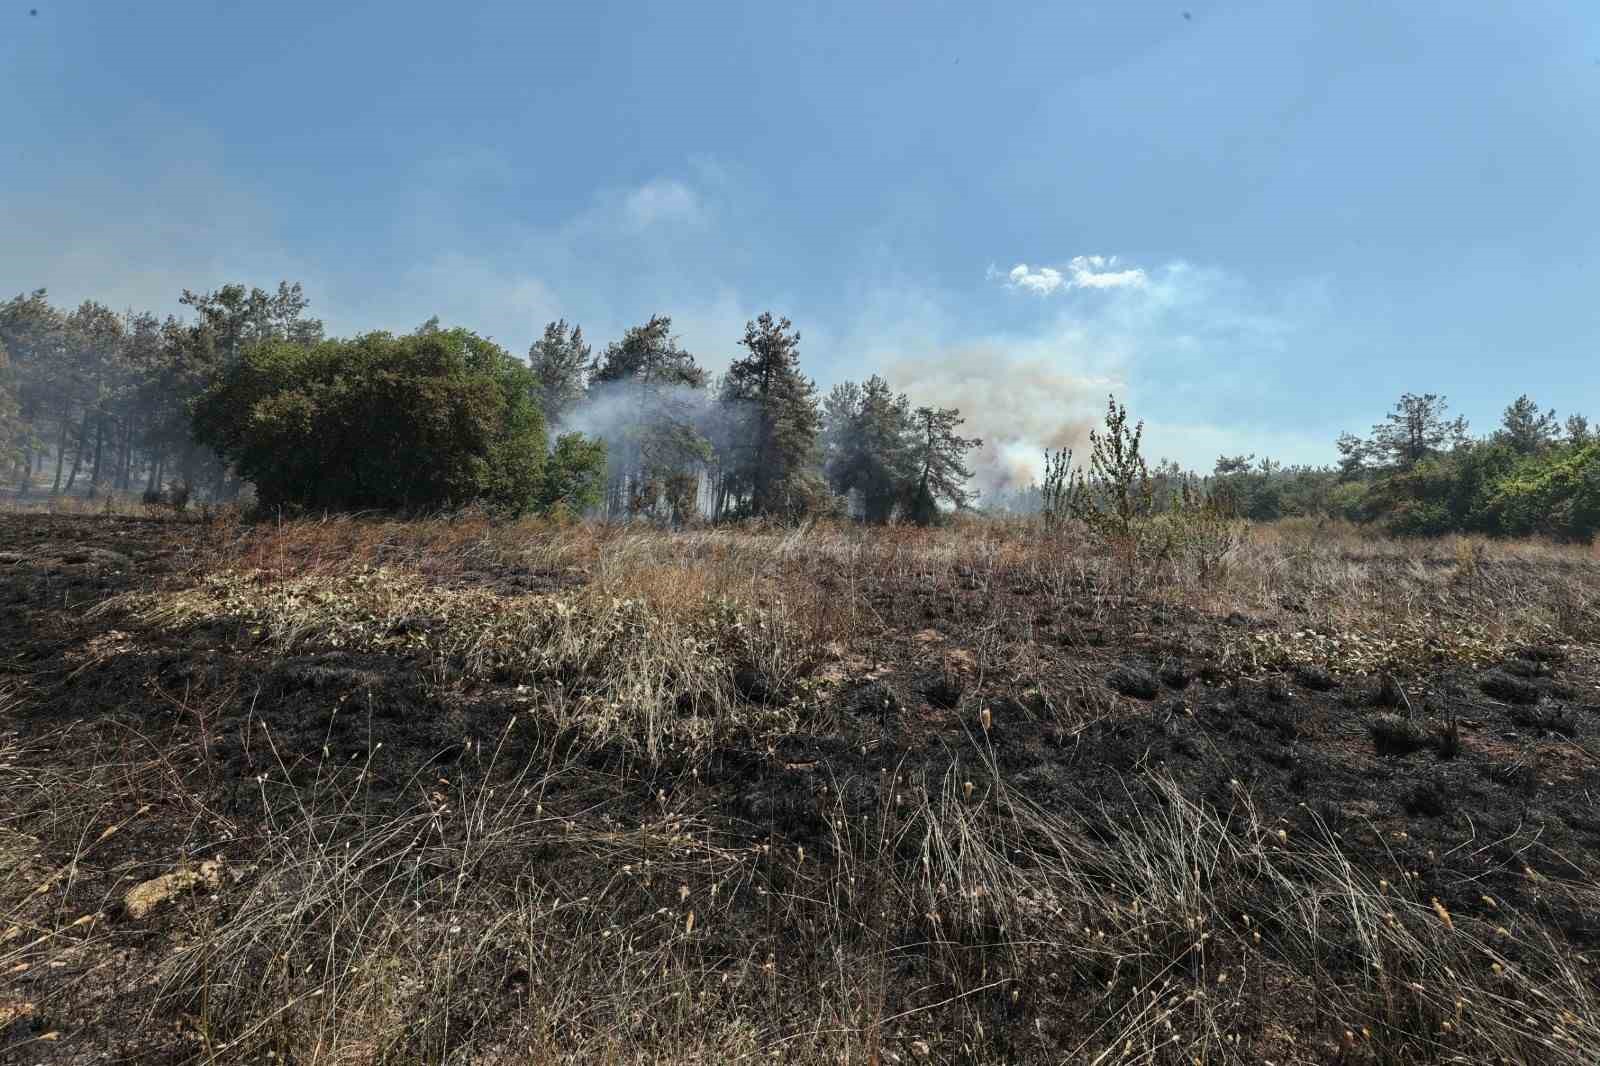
614 411
1018 408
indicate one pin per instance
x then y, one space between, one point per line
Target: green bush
1488 487
1348 500
1558 496
574 474
422 422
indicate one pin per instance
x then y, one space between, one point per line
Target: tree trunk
77 453
154 484
61 449
99 451
190 465
125 475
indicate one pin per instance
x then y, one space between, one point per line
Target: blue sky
1258 224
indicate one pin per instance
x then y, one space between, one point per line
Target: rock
920 1049
143 899
1502 686
1132 681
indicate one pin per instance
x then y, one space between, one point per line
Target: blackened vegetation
1474 783
1502 685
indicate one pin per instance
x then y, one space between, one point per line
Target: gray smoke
1018 407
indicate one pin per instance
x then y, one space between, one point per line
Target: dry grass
1344 599
530 905
488 921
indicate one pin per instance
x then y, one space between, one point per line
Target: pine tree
773 419
560 361
1525 429
10 412
227 323
875 459
839 410
1354 453
95 338
1416 428
646 392
34 335
1118 495
939 453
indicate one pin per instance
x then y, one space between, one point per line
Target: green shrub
1347 500
422 422
1557 496
1203 527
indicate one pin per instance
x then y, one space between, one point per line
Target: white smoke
1018 407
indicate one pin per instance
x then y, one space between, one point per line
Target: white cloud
663 200
1043 281
1095 272
1083 272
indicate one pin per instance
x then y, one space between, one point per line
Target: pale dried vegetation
533 908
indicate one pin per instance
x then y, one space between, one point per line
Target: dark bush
429 421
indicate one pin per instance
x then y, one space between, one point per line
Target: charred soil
523 792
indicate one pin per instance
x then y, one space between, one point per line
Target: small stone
143 899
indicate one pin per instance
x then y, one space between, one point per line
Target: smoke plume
1018 407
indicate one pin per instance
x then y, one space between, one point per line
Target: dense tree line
1421 471
1418 471
247 389
102 399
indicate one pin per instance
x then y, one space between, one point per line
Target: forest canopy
246 390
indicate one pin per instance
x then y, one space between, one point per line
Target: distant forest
246 389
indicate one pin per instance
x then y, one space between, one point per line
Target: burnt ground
1480 778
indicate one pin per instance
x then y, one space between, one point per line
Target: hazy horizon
1256 223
